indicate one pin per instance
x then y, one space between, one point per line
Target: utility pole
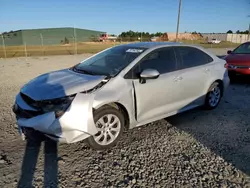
178 21
4 49
75 40
25 51
249 32
41 36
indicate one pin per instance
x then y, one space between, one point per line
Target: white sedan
119 88
214 41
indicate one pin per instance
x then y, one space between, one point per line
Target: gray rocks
2 161
196 149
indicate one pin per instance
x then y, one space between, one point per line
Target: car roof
155 45
150 44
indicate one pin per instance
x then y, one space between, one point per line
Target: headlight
59 106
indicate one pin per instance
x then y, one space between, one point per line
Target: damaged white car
119 88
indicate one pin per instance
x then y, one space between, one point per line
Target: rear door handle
177 79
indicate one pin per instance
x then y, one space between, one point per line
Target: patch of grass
18 51
88 47
223 44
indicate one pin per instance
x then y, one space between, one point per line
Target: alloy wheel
108 127
214 96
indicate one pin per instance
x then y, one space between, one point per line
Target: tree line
136 34
239 32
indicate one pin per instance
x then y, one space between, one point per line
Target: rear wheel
213 96
110 123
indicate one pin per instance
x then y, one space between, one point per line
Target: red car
238 61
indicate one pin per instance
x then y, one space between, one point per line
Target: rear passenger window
192 57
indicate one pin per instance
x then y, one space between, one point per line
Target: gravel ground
194 149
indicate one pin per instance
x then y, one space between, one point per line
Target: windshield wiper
83 71
88 72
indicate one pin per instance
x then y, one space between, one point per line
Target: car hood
241 59
59 84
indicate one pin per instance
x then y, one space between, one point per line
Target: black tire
232 77
208 104
99 113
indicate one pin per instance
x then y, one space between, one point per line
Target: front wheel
213 96
110 124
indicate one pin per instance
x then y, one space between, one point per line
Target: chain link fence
40 45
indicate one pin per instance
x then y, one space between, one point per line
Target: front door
157 97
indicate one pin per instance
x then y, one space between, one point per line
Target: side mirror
229 51
149 74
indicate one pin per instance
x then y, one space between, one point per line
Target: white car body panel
164 88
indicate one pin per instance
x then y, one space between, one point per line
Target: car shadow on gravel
240 80
30 161
224 130
233 149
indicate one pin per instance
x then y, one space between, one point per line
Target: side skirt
167 115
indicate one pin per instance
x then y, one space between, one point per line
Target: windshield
242 49
109 62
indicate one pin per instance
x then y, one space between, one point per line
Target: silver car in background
122 87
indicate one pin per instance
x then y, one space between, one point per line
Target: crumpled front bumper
74 125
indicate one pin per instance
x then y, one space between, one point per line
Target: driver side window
163 60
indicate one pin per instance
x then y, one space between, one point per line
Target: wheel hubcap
214 96
108 128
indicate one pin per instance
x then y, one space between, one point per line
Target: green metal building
48 36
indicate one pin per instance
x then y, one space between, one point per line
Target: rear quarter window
192 57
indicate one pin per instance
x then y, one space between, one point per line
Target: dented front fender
79 115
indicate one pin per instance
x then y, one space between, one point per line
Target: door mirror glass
229 52
149 74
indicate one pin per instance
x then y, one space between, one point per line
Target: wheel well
221 85
124 111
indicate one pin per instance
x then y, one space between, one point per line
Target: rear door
195 73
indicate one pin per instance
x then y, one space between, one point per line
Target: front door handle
206 70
